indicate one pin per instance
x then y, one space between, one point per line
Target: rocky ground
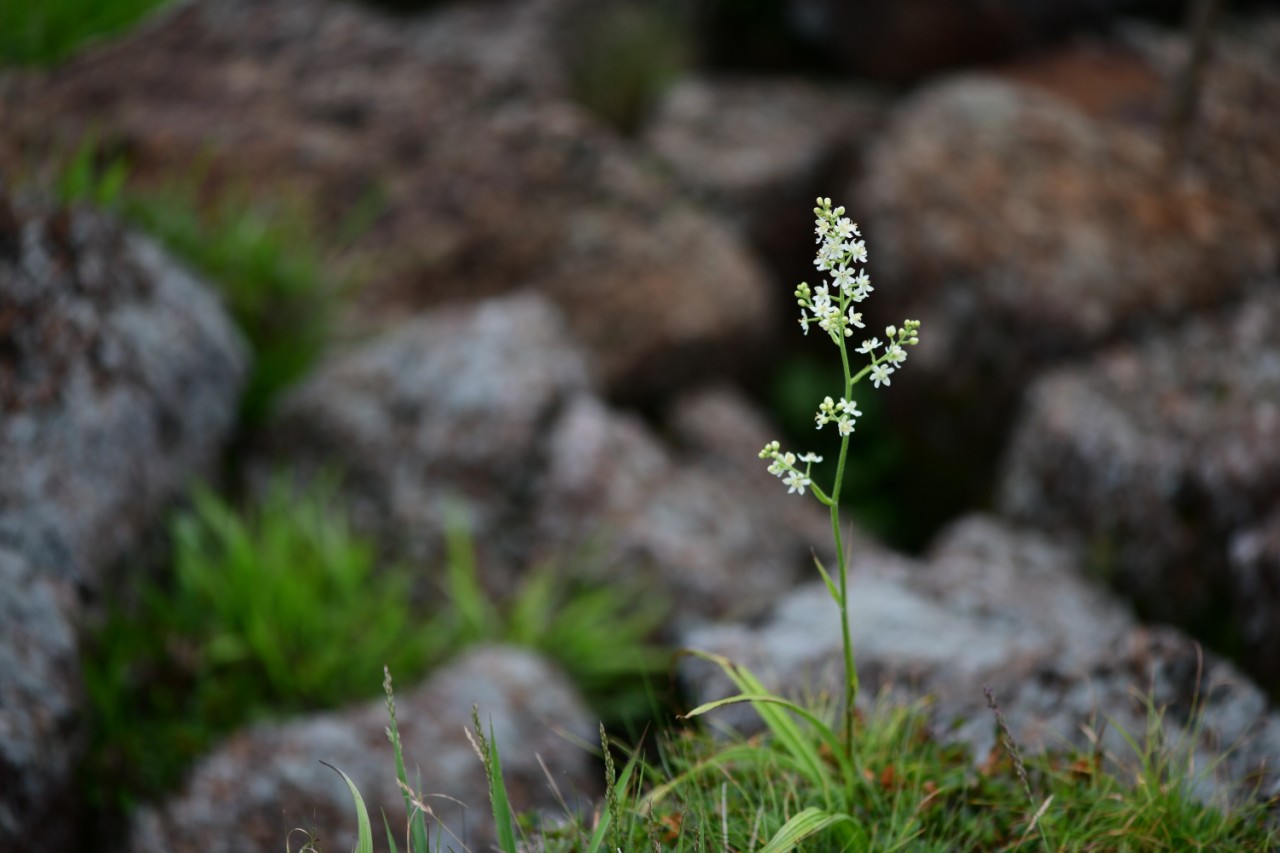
1098 356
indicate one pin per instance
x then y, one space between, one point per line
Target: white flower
842 277
895 355
849 407
855 319
809 458
880 374
868 346
858 249
797 483
845 425
862 286
847 229
821 298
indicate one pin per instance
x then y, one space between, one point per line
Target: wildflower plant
833 307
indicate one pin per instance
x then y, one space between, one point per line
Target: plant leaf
364 831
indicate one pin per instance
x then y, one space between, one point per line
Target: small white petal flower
858 249
797 483
880 374
895 355
845 425
842 277
868 346
809 458
849 407
855 319
846 229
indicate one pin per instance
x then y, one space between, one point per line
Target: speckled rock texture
1022 233
254 790
42 733
759 150
1234 142
486 178
450 408
996 606
1159 455
655 520
119 384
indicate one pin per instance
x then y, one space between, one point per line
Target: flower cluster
784 465
830 306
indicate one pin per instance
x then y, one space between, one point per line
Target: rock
486 178
450 407
655 521
1023 233
41 706
718 431
999 607
489 406
761 149
253 791
1233 144
119 384
1159 455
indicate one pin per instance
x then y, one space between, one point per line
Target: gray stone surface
759 150
259 785
995 606
613 491
1158 455
119 384
451 407
41 713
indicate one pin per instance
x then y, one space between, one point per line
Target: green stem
850 670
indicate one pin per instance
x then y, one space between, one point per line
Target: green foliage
41 32
280 609
267 261
625 54
900 788
597 634
791 788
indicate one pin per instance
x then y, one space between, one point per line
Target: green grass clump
794 787
42 32
267 260
280 607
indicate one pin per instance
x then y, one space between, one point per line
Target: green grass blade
794 740
503 819
804 825
391 840
364 831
